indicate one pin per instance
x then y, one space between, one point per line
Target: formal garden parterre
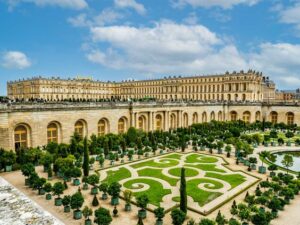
179 171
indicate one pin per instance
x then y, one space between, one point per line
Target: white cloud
138 7
71 4
225 4
15 60
280 61
173 49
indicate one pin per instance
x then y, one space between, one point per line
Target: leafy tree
93 180
183 193
142 201
206 221
66 200
159 213
228 150
103 187
85 164
178 217
58 188
95 201
77 201
233 221
102 216
220 219
287 161
87 212
260 218
27 169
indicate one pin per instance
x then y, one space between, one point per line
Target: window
233 116
246 117
79 128
21 137
185 120
158 122
52 133
102 127
121 126
290 118
274 117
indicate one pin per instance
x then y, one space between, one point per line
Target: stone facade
32 122
248 86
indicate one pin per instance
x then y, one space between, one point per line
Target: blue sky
142 39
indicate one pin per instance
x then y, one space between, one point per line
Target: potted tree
85 184
220 145
87 212
104 188
101 161
228 150
58 189
130 155
253 161
9 158
49 172
76 203
91 162
76 172
39 185
127 197
93 180
159 214
178 217
46 160
27 170
48 189
66 203
142 202
114 190
102 216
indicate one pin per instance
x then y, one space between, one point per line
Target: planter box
58 202
114 201
253 166
94 191
77 215
67 209
88 222
8 168
142 213
127 207
76 182
104 196
48 196
159 222
41 191
220 151
262 169
112 163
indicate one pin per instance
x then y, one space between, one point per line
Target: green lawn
206 167
233 179
164 163
116 176
282 135
155 193
172 156
188 172
197 158
157 174
200 196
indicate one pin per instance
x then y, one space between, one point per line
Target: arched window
233 116
185 120
142 123
122 126
21 137
158 122
204 117
220 116
173 122
274 117
257 116
212 116
246 117
102 127
290 118
195 117
52 133
79 128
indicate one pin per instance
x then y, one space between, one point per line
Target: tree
142 201
260 218
93 180
220 219
102 216
66 202
183 194
114 190
206 221
287 161
85 164
159 214
77 201
228 150
87 212
178 217
58 189
27 169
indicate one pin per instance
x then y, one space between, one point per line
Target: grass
164 163
202 197
116 176
172 156
233 179
188 172
155 193
198 158
206 167
157 173
282 135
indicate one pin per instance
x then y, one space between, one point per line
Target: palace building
250 86
238 96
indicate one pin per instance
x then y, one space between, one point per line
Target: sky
144 39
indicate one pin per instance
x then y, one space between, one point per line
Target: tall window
220 116
257 116
121 126
204 117
212 116
21 137
173 123
141 123
158 122
185 120
290 118
195 118
102 127
79 128
52 133
233 116
246 117
274 117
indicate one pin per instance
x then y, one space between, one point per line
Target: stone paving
17 209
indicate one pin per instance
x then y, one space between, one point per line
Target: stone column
167 121
180 118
